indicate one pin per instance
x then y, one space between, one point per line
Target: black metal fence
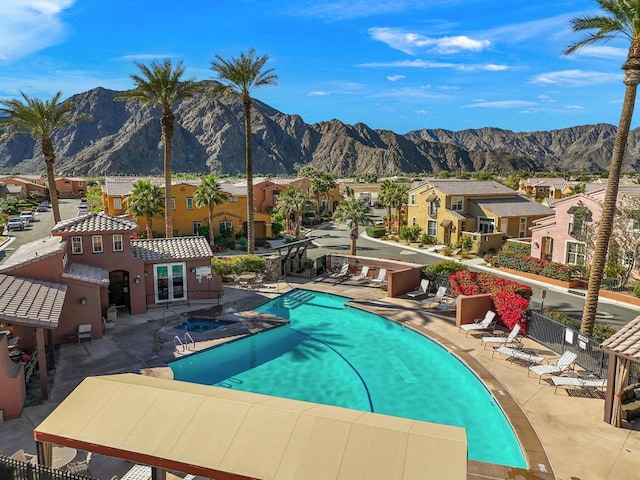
559 338
12 469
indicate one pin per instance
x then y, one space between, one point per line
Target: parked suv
15 223
28 216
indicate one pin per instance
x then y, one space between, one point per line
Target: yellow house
266 191
488 212
187 217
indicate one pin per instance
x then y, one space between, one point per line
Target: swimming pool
195 324
338 355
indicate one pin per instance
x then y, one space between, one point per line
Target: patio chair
509 339
439 297
381 279
23 456
480 324
80 466
579 383
517 354
362 276
341 274
85 331
421 291
564 363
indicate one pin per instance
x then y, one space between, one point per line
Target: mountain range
124 138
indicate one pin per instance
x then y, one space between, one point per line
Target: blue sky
392 64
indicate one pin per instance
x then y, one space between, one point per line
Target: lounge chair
438 297
362 276
580 383
80 466
509 339
341 274
480 324
421 291
516 354
564 363
381 279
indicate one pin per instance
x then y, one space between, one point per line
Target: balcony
578 230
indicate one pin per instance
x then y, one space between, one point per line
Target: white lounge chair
421 291
480 324
564 363
511 338
341 274
581 383
438 297
362 276
381 279
514 353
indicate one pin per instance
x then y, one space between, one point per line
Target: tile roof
33 252
177 248
513 206
471 187
95 223
626 341
31 302
86 273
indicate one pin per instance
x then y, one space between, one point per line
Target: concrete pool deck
565 434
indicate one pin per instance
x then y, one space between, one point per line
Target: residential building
551 187
266 191
187 217
565 236
71 187
25 187
486 211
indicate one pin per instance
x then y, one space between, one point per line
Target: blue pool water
333 354
194 324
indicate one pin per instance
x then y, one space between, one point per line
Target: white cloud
137 57
575 78
423 91
27 26
421 112
395 78
525 31
501 104
318 93
412 43
344 9
495 68
575 107
602 51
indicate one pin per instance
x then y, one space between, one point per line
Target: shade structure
227 434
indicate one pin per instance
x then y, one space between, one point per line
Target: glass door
170 282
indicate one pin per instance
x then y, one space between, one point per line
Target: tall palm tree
40 119
620 18
146 200
209 194
354 212
241 75
400 193
293 201
385 198
161 85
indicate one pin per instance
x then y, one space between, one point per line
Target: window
117 243
486 225
522 229
433 209
96 242
80 183
117 204
170 281
225 225
196 227
189 203
432 228
457 204
173 203
414 222
412 199
76 245
576 253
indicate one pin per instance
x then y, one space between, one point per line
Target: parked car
15 223
42 208
28 216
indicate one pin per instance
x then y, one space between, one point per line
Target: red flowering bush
511 299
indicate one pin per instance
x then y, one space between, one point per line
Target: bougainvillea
511 299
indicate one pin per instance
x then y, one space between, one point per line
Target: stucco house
71 187
486 211
546 187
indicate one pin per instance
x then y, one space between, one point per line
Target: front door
119 288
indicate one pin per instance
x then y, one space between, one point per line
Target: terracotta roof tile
177 248
33 252
86 273
626 341
95 222
31 302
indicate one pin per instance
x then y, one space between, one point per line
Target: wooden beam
42 363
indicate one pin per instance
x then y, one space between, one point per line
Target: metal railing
211 295
12 469
559 338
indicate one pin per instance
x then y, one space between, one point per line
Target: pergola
623 348
231 435
37 304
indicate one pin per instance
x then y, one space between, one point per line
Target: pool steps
180 346
297 298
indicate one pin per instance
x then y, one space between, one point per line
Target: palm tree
354 212
399 196
293 201
161 85
208 194
385 198
241 75
40 119
621 18
146 200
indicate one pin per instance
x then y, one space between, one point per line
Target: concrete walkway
564 437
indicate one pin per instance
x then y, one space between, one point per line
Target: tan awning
217 432
446 223
431 197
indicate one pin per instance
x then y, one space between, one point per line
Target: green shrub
445 267
600 332
447 251
410 234
518 248
376 231
226 267
524 263
636 289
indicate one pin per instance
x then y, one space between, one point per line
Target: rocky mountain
125 138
